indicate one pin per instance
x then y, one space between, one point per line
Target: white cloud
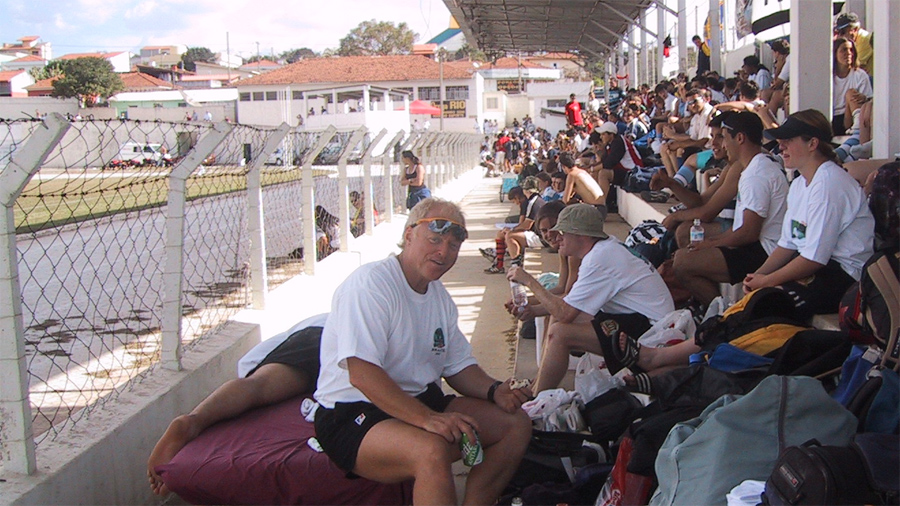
140 10
60 22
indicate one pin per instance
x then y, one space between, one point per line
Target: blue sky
80 26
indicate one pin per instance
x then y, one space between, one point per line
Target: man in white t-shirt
757 72
613 285
761 204
698 135
390 338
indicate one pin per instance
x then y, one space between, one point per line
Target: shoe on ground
494 270
654 196
528 330
489 253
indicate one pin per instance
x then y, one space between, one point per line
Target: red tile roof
511 63
556 56
72 56
28 58
356 69
7 75
137 81
43 84
260 63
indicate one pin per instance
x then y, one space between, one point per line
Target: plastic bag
592 378
675 327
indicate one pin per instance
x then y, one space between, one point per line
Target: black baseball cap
846 20
793 127
744 122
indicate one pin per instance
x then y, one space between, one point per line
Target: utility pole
228 57
257 57
440 55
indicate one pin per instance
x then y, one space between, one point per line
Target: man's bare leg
563 338
505 437
271 383
700 272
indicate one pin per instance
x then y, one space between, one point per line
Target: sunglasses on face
442 226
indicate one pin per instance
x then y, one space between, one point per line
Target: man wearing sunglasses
391 337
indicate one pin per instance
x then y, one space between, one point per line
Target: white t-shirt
376 316
856 79
700 128
762 77
259 352
612 279
829 218
763 189
671 104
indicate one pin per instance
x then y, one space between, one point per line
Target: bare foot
179 433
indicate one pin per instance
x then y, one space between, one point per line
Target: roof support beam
661 4
607 46
614 34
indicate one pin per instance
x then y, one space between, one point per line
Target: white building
355 90
121 61
13 83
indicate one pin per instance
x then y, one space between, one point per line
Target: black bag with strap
863 473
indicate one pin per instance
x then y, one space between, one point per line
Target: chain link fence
92 226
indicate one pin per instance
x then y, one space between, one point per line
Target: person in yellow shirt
847 26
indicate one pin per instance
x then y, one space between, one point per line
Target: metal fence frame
446 156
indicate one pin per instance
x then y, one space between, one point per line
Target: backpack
737 439
761 322
647 232
870 310
865 472
638 179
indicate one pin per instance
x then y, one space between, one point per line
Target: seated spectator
523 235
697 137
715 206
490 167
390 340
613 284
328 236
774 94
761 203
290 368
545 187
847 26
579 183
749 99
634 127
358 220
558 182
828 228
757 72
615 156
848 78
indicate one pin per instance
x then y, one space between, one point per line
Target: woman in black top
414 178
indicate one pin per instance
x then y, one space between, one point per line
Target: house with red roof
30 45
121 61
361 90
258 67
13 83
24 63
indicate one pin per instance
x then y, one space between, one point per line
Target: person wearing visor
390 338
828 231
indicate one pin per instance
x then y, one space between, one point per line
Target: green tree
89 80
53 68
377 38
467 52
295 55
197 54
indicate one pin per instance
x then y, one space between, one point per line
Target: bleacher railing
123 242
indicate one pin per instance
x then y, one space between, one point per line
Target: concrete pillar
715 41
660 36
682 36
811 42
620 60
886 106
645 71
633 80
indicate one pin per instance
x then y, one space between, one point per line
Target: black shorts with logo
300 351
742 260
341 430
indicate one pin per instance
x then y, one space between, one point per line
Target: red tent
422 107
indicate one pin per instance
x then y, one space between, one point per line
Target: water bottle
696 233
516 501
519 296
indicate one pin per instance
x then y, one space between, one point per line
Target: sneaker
654 196
489 253
677 207
519 260
494 270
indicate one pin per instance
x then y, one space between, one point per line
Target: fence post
387 174
173 273
307 210
255 223
343 191
16 438
427 148
368 191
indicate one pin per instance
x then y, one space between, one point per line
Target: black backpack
863 473
870 310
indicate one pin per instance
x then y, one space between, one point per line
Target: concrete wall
16 108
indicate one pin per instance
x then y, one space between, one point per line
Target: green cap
581 219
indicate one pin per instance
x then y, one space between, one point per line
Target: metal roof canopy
590 27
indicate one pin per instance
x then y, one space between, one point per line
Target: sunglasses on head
442 226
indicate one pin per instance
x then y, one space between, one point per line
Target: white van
134 152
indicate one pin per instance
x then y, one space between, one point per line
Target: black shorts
632 324
619 175
341 430
821 295
743 260
300 351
